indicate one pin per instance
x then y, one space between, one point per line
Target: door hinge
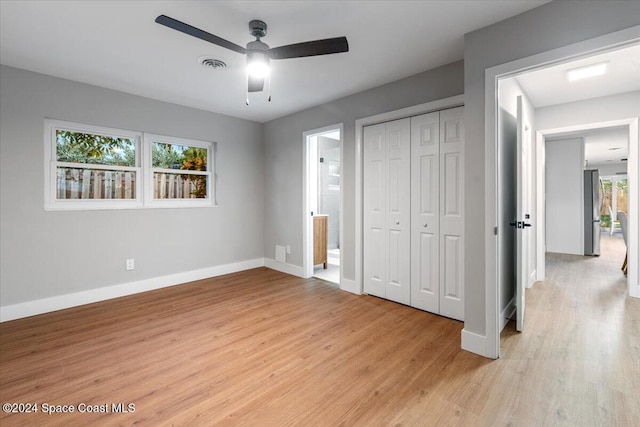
495 231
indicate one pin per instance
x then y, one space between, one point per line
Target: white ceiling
117 45
549 86
603 146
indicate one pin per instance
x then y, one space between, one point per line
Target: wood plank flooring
261 348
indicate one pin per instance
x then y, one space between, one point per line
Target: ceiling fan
259 53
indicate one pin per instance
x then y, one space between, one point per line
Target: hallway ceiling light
587 71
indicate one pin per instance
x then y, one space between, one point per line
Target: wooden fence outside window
74 183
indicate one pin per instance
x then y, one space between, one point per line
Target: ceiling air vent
216 64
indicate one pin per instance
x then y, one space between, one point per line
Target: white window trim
149 201
144 172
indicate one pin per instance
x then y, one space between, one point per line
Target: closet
413 211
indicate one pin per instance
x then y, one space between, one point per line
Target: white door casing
520 230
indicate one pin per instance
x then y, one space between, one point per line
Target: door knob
397 222
425 225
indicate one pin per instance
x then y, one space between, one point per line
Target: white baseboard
46 305
474 343
532 279
350 286
283 267
507 313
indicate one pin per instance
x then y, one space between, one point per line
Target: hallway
578 359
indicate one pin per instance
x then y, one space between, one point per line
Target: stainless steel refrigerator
592 206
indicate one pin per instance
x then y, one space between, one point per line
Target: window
179 171
91 167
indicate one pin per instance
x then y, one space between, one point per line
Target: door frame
307 219
428 107
612 41
541 142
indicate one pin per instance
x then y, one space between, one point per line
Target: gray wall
594 110
48 254
547 27
283 154
564 166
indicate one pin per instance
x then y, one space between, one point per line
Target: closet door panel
452 190
451 213
374 205
398 208
452 253
425 211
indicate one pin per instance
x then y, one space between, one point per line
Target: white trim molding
475 343
283 267
60 302
349 286
507 313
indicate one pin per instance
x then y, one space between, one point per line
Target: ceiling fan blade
314 48
256 84
196 32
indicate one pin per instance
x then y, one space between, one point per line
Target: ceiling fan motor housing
257 28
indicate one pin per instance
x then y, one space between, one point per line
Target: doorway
560 224
584 50
323 151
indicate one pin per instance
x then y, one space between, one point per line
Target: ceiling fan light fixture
258 64
258 53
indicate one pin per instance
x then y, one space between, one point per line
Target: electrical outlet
130 264
288 249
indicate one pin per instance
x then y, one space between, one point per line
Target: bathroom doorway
323 203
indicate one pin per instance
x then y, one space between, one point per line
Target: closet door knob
425 225
397 222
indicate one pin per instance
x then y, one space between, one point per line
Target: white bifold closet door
425 212
387 210
413 211
437 223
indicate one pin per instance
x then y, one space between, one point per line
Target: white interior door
425 212
374 205
398 208
452 136
387 212
521 223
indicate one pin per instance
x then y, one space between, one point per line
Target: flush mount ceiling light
587 71
258 53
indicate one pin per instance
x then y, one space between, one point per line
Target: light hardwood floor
261 348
